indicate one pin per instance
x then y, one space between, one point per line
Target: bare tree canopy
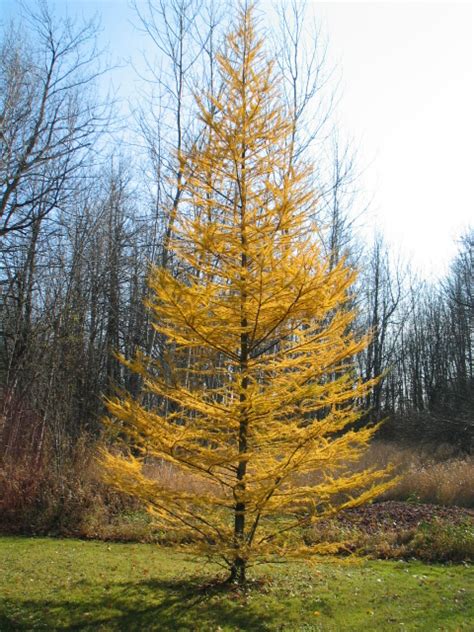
50 120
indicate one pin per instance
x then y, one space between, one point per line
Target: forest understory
428 515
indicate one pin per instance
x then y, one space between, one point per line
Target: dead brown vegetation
431 474
69 498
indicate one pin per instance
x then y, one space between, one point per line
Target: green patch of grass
48 584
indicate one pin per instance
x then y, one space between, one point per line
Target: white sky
407 103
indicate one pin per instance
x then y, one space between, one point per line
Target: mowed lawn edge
66 584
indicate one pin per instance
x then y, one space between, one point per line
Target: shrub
441 541
434 541
47 497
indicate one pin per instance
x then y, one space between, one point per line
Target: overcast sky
407 103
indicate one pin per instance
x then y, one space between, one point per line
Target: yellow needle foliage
255 396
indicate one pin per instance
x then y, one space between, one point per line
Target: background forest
89 200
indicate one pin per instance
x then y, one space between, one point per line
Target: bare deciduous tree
49 119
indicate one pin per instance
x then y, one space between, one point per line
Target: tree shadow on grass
136 606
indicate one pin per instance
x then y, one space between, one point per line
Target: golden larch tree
255 396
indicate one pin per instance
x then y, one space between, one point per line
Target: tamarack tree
257 389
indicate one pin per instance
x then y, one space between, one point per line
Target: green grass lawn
49 584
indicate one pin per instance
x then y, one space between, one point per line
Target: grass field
52 584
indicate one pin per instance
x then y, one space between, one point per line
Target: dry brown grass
174 478
449 483
429 475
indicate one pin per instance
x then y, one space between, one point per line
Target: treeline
422 345
83 213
